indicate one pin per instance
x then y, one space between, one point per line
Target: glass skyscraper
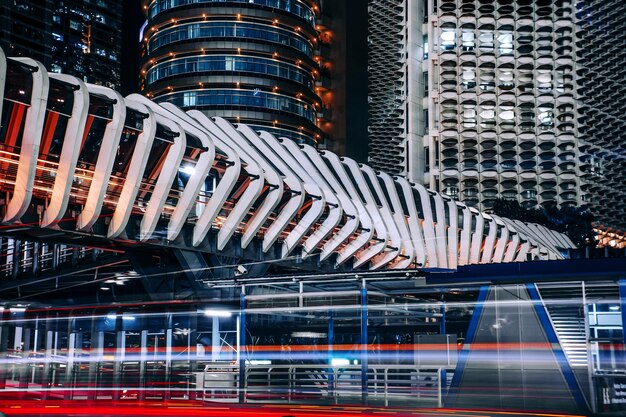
260 62
76 37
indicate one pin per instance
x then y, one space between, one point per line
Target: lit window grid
518 104
273 32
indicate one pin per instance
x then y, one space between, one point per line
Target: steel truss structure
82 160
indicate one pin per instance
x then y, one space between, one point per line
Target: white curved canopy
166 169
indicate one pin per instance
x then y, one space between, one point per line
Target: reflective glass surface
240 98
232 63
292 6
229 30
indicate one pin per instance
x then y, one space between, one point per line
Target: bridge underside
44 263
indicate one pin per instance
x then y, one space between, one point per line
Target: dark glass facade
26 29
260 62
76 37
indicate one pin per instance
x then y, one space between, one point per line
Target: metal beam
68 273
530 272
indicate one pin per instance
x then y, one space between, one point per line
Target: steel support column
97 352
47 377
242 345
192 355
118 359
23 367
69 368
364 364
143 357
442 320
330 342
443 375
169 340
216 344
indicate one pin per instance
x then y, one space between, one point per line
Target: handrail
314 383
324 383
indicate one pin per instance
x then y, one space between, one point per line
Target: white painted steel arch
245 185
31 138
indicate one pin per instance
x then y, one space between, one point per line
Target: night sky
356 58
356 94
132 20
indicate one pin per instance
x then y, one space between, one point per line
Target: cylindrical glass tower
250 61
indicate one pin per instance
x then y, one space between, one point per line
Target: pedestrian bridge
84 166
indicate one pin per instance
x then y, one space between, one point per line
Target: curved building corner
265 63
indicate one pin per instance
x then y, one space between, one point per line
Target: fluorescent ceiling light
310 335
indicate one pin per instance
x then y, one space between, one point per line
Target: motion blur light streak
200 410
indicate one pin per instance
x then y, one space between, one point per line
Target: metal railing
326 383
57 375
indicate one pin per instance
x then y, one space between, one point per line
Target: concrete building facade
502 99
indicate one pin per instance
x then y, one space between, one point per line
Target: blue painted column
467 346
442 320
364 365
242 346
